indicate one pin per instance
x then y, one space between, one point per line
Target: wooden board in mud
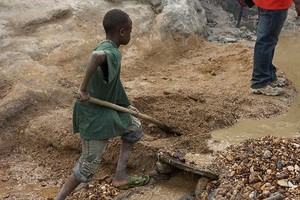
180 165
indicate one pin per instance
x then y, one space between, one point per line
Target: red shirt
273 4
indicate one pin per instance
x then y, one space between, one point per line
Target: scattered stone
254 177
276 196
229 157
269 171
163 168
227 40
267 154
290 168
167 92
254 171
286 183
252 195
201 186
279 164
297 168
281 175
98 190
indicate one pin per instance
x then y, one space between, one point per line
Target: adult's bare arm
95 60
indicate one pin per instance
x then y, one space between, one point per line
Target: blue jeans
269 26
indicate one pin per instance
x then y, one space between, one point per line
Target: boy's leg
121 177
86 166
68 187
134 134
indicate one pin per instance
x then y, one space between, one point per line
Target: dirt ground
190 84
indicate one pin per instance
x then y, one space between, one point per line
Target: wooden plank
176 163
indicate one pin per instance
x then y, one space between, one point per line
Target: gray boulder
186 17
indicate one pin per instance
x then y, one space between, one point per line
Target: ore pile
97 191
259 169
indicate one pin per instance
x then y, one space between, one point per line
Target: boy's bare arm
95 60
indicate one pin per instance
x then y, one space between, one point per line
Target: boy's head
117 24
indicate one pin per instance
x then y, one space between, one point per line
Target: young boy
97 124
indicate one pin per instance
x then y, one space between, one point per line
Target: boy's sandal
135 182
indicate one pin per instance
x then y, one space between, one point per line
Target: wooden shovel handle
125 110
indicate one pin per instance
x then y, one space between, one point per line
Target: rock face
186 17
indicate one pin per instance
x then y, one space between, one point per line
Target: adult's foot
279 82
268 90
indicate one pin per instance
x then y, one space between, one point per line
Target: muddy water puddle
286 125
178 186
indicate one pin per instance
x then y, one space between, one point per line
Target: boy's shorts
92 151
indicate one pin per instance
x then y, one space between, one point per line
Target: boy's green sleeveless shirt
94 122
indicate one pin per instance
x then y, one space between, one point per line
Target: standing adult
272 15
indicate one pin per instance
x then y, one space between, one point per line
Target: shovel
107 104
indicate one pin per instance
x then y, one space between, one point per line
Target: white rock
290 168
286 183
267 154
252 195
